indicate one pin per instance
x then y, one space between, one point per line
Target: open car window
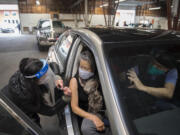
144 112
14 122
58 24
64 46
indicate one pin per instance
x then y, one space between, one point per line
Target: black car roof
119 35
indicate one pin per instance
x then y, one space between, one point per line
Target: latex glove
59 84
67 91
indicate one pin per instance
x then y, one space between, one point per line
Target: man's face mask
83 74
155 71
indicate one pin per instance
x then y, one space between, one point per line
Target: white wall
161 20
72 17
97 20
31 20
125 15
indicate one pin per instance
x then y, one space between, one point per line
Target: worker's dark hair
30 66
164 59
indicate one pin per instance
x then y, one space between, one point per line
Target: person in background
19 28
159 77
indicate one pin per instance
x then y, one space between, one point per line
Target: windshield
129 68
58 24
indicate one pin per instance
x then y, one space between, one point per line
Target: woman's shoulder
73 81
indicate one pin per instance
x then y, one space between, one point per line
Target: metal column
169 14
86 13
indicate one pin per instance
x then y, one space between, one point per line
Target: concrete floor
12 49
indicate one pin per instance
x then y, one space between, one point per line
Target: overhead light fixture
104 5
119 1
37 2
155 8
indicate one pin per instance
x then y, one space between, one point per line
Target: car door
14 122
70 119
60 54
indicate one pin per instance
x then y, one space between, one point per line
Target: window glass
149 114
14 13
6 13
46 24
64 46
58 24
9 126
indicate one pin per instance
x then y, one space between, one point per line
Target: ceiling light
155 8
119 1
37 2
104 5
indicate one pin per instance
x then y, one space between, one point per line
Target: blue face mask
83 74
155 71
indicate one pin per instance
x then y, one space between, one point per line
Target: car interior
142 108
77 119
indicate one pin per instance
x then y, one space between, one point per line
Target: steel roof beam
76 3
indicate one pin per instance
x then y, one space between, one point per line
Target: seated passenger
158 78
87 100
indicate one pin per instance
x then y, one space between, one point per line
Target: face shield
45 76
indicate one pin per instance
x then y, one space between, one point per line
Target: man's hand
133 78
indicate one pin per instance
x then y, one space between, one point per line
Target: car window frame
68 73
20 116
70 62
39 26
58 56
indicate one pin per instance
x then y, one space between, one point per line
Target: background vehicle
7 28
115 51
48 31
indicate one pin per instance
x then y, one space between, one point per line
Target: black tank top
83 97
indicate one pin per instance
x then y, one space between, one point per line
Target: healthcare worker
28 86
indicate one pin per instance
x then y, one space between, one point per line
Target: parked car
7 28
115 51
47 32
